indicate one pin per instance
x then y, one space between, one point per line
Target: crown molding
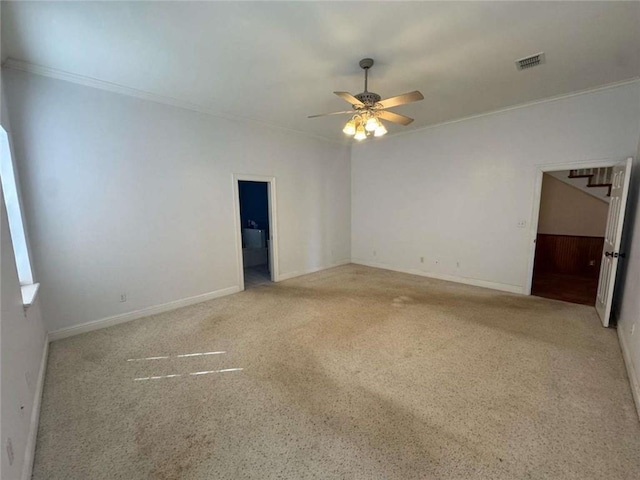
87 81
518 106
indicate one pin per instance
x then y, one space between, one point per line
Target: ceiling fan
369 109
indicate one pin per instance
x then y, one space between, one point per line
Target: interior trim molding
287 276
144 312
21 65
540 170
503 287
517 106
272 208
87 81
634 380
166 307
30 447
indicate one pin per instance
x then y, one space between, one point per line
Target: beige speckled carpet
350 373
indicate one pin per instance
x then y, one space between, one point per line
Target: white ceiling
278 62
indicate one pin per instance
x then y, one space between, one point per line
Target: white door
612 238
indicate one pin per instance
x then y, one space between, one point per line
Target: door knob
614 254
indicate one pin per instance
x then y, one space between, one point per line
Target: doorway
255 221
597 174
572 221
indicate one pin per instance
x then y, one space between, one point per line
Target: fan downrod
367 97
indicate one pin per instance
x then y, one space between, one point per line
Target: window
16 225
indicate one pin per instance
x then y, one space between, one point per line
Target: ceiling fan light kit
350 127
369 109
380 131
361 134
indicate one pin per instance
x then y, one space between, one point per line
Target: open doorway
254 221
572 220
594 172
256 230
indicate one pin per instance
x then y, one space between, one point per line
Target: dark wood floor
568 288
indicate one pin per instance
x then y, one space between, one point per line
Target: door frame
537 197
273 223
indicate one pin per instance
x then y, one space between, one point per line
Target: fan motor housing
368 98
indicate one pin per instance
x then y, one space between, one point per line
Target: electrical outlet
10 451
457 264
633 327
522 223
421 259
375 253
123 297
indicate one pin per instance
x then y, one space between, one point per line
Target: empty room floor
352 372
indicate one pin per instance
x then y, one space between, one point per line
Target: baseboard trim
287 276
503 287
634 380
30 447
145 312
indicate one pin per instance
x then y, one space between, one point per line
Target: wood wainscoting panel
569 254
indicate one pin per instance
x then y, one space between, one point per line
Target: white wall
627 303
124 195
22 346
454 193
567 210
582 184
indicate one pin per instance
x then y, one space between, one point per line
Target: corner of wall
626 307
23 350
32 435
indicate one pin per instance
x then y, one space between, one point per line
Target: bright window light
14 214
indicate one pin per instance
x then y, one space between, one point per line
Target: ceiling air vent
530 61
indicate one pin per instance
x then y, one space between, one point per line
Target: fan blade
394 117
333 113
346 96
401 99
